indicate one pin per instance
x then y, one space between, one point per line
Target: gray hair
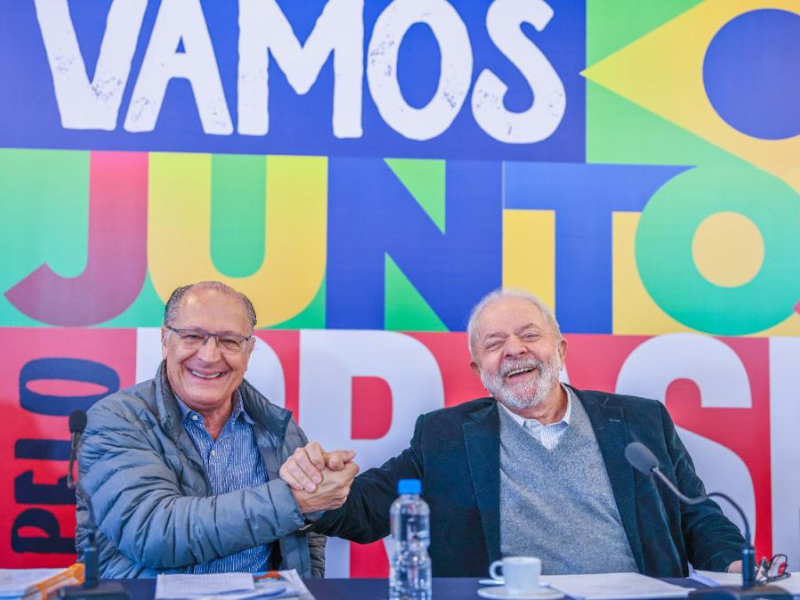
499 294
174 302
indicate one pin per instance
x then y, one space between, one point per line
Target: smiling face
518 354
204 378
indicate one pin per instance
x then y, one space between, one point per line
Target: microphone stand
643 460
91 589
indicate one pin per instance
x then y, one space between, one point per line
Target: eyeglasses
226 342
773 569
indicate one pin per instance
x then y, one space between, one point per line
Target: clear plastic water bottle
410 565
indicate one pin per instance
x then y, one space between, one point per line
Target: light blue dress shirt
547 435
232 462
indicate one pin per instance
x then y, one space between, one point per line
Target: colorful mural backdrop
365 171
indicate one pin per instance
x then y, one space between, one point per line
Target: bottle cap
409 486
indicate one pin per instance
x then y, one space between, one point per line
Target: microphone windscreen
640 457
77 421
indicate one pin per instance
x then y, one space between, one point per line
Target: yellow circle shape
728 249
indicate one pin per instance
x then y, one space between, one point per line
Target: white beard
525 395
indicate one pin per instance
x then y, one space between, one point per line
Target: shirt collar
565 419
238 410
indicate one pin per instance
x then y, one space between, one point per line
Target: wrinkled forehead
511 314
206 305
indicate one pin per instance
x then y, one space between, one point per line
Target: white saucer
501 593
501 581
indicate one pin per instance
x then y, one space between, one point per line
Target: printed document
614 586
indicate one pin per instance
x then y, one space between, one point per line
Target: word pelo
46 456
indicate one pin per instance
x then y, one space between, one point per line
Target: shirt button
213 453
194 417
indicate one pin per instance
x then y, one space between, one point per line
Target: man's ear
251 344
164 333
562 349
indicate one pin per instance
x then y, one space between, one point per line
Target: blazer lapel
611 432
482 439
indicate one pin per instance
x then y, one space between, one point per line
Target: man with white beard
538 469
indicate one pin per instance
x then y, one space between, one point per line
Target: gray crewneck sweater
558 504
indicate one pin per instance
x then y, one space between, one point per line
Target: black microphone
91 589
77 425
643 460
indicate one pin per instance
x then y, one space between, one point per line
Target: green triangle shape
613 24
424 179
312 316
621 132
404 307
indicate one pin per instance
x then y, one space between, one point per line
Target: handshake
319 480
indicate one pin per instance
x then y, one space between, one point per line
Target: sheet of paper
175 587
299 588
14 582
790 584
614 586
714 579
232 586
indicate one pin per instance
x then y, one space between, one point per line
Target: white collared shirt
547 435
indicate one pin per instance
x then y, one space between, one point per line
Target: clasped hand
319 480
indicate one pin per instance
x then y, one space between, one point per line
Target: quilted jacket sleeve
141 507
296 438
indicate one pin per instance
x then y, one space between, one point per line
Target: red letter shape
117 257
371 418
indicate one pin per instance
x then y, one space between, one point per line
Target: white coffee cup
520 573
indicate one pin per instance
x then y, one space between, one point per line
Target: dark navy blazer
456 453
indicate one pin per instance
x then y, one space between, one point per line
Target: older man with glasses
182 470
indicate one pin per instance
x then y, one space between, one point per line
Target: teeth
214 376
518 371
